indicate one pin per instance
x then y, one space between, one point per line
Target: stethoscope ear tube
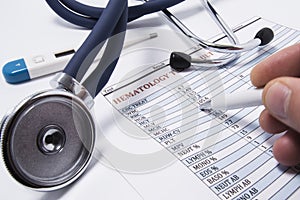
105 27
87 16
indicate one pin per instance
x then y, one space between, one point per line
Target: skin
279 75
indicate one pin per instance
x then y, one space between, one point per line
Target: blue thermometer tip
15 71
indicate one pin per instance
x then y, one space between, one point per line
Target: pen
234 100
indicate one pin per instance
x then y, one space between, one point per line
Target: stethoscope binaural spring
48 139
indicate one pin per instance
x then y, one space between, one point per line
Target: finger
283 63
282 99
286 149
270 124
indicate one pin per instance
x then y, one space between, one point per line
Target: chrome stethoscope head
48 139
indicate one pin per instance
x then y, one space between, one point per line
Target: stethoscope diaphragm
48 139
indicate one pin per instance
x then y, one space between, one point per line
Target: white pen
241 99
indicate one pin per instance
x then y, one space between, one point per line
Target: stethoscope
48 139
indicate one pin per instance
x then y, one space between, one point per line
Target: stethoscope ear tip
266 35
180 61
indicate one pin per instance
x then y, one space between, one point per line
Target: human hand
279 75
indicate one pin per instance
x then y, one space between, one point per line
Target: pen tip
205 109
206 106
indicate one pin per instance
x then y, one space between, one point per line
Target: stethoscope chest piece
48 139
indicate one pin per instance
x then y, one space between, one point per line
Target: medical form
226 153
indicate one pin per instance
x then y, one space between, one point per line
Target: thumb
281 97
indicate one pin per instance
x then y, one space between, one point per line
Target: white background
30 27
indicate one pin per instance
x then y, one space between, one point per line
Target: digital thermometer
31 67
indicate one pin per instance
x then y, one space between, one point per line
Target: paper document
154 130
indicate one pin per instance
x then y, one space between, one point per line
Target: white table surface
30 27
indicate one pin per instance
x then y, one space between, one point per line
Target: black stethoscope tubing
87 16
105 23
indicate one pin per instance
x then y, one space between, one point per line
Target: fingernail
277 99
